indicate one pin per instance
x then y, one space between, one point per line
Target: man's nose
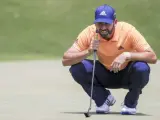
103 27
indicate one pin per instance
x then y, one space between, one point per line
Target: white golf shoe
105 108
128 111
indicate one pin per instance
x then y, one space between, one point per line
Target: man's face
105 30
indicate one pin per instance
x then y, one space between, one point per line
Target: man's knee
141 71
141 67
80 71
76 69
85 65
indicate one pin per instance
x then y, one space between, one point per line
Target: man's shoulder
91 28
88 31
125 25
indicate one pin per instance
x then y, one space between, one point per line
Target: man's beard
106 34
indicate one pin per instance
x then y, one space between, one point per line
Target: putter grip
96 38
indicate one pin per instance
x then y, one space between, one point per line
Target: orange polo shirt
126 39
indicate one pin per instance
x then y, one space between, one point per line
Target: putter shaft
93 73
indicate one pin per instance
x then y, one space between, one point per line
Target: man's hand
93 46
122 58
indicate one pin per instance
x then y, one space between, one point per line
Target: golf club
93 74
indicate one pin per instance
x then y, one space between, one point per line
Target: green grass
42 29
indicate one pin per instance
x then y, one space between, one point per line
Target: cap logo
103 13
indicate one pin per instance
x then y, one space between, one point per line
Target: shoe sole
101 112
127 113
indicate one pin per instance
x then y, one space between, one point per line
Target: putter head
87 114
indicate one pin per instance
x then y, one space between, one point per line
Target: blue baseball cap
105 13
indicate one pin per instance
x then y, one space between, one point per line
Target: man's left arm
143 51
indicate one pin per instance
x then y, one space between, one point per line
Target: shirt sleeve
138 42
82 41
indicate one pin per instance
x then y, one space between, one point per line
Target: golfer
123 58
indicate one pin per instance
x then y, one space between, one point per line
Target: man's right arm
79 50
73 56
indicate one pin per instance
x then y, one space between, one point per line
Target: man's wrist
88 52
128 56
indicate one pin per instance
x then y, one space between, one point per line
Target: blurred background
44 29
